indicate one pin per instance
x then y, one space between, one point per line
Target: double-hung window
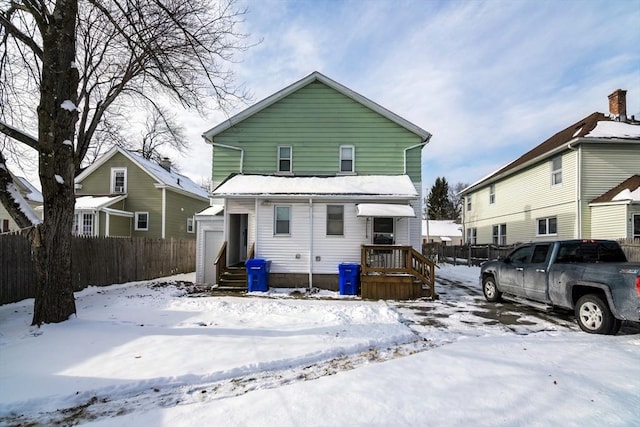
556 170
142 221
190 227
335 220
83 224
636 226
284 159
468 202
472 235
500 234
347 160
547 226
118 180
282 221
492 194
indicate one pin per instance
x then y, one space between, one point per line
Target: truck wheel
490 290
594 316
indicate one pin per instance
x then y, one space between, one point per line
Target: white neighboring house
307 226
447 232
579 184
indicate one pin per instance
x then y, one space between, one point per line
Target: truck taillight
638 285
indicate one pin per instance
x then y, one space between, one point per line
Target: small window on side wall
492 194
556 170
347 159
284 158
190 227
118 180
548 226
335 220
282 221
142 221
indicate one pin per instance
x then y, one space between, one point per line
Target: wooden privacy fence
97 261
477 254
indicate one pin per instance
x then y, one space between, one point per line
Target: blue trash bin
349 278
258 274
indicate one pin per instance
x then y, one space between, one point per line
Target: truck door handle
541 270
519 269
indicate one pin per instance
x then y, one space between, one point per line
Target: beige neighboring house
447 232
125 195
580 183
31 204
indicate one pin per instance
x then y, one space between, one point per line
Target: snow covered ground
151 353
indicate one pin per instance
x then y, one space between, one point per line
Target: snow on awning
445 238
385 210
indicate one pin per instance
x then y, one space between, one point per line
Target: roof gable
311 78
161 176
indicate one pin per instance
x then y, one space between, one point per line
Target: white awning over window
385 210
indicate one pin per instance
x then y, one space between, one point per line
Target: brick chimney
165 162
618 105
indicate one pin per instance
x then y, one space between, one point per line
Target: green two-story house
308 175
125 195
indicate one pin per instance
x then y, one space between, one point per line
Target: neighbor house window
83 224
119 180
492 194
468 203
335 220
142 221
5 225
500 234
190 227
284 158
556 170
282 220
636 226
383 231
472 235
547 226
346 158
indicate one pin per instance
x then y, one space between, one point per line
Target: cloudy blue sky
489 79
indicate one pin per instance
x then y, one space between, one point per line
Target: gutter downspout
310 244
230 147
404 159
578 189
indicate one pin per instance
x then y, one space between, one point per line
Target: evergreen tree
438 206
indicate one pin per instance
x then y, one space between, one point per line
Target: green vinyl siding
315 121
120 226
179 208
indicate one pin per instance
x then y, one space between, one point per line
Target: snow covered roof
32 194
596 126
396 186
313 77
385 210
441 228
96 202
627 191
211 211
162 176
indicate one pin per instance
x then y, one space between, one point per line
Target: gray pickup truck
591 277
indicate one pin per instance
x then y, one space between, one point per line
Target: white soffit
385 210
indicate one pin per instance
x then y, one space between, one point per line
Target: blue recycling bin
349 278
258 274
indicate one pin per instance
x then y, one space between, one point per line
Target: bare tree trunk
57 115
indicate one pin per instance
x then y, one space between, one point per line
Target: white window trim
546 220
112 185
191 225
492 194
555 172
275 220
353 159
327 223
472 235
135 221
501 238
282 158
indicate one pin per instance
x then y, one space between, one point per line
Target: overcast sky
488 79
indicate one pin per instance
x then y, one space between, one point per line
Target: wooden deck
396 272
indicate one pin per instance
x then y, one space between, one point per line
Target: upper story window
556 170
347 158
468 202
492 194
500 234
142 221
284 158
335 220
119 180
547 226
282 221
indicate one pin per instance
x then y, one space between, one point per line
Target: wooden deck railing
392 259
221 261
